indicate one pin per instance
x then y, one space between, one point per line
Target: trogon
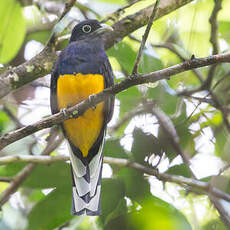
82 70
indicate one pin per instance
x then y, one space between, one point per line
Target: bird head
88 28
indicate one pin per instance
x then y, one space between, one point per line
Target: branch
41 64
170 47
68 5
213 40
144 38
116 15
220 80
12 117
5 179
214 26
183 181
80 108
224 214
15 183
171 133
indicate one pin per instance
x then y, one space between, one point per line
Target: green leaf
144 145
129 99
224 29
181 124
113 192
136 186
126 57
11 169
113 148
124 54
4 119
119 2
154 213
36 195
120 222
182 51
43 176
149 63
50 176
12 29
41 36
158 214
52 211
181 170
222 142
121 209
165 100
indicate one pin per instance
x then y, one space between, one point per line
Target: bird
81 71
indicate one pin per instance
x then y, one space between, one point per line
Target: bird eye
86 29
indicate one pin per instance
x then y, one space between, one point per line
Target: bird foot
90 100
64 111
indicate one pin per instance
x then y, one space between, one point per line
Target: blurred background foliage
130 199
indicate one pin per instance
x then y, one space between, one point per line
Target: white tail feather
87 184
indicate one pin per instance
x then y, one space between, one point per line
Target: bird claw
90 100
64 111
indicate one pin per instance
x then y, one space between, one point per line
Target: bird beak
104 28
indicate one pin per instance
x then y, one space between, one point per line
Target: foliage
13 25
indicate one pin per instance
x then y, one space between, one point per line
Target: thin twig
226 167
20 125
220 80
12 117
214 26
170 46
213 40
115 15
144 38
222 109
5 179
68 5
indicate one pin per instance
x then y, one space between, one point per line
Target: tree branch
79 109
171 133
224 215
194 184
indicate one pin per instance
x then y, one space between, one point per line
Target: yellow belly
72 89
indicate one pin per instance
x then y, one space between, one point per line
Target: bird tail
86 186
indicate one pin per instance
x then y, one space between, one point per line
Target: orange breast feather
72 89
